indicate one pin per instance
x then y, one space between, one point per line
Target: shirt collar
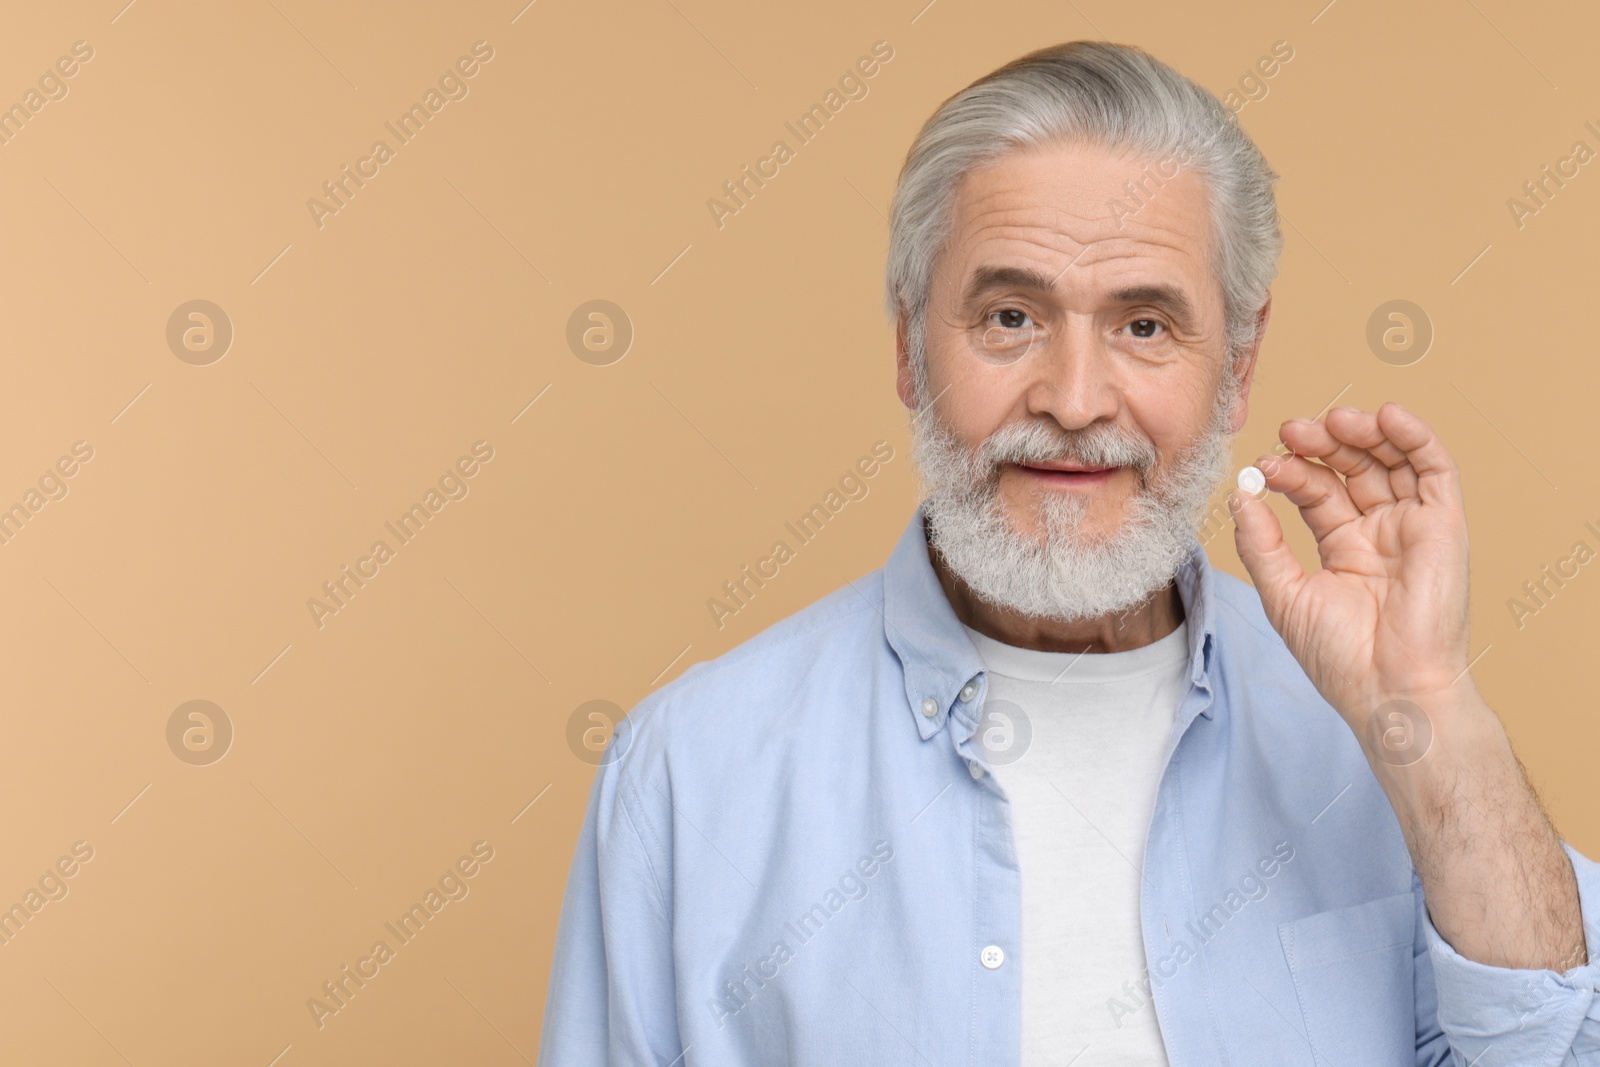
937 657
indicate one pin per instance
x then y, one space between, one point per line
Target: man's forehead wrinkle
1064 234
1040 250
1034 218
1108 253
1050 218
1173 252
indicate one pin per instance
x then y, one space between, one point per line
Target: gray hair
1111 95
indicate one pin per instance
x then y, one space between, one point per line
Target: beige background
372 352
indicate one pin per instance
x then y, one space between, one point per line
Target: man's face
1075 359
1051 305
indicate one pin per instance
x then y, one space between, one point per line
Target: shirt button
930 707
992 957
968 691
976 770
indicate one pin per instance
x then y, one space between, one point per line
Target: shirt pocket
1353 974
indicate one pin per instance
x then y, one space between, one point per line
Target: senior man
1046 788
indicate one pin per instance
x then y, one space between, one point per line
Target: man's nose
1073 378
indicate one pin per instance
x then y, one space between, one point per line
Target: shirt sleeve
612 997
1500 1016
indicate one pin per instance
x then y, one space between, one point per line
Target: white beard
1066 575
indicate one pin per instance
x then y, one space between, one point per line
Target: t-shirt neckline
1167 653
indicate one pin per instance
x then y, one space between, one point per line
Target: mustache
1097 445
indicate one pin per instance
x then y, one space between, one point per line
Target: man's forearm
1498 885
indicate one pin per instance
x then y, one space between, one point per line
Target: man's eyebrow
1168 297
987 279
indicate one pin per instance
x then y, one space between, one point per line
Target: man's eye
1144 327
1010 318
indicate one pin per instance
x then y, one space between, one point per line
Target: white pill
1251 480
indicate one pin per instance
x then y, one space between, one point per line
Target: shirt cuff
1528 1017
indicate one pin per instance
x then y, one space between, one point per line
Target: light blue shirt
795 856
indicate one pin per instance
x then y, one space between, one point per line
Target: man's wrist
1432 751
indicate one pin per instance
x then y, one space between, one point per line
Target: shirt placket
1165 898
995 953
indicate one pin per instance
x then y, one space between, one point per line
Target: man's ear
904 384
1247 369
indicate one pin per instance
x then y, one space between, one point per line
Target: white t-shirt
1077 743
